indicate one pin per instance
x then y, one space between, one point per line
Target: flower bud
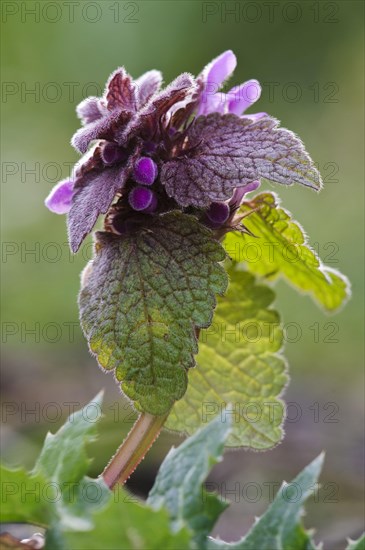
111 153
142 198
218 212
145 171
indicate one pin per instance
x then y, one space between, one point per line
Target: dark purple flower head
187 146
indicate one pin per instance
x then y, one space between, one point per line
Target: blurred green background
308 57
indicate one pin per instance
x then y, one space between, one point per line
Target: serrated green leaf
238 364
279 528
129 526
23 497
143 296
178 486
64 463
282 249
356 544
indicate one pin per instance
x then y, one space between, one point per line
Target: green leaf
238 364
128 525
64 463
356 544
282 249
143 295
23 498
279 528
57 494
178 486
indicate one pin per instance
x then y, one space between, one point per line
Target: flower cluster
189 146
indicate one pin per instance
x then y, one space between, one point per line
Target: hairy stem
133 449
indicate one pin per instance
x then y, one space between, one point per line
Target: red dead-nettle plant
171 170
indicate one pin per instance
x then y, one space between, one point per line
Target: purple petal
243 96
212 77
147 85
218 70
93 198
215 103
225 151
255 117
60 198
240 192
89 110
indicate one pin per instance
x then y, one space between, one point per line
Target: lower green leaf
57 494
279 528
25 498
281 249
240 371
178 486
64 463
143 296
129 526
357 544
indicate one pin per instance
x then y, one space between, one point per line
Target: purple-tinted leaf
103 128
120 104
91 201
146 122
121 93
147 85
224 152
89 110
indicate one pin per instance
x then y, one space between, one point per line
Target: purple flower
237 100
60 198
188 143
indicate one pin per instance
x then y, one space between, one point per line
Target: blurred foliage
39 290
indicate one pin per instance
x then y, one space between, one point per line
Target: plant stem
133 449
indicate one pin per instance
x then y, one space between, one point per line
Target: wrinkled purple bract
190 143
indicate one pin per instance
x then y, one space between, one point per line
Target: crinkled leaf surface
225 151
279 528
143 296
121 91
91 200
239 367
178 486
116 109
281 249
